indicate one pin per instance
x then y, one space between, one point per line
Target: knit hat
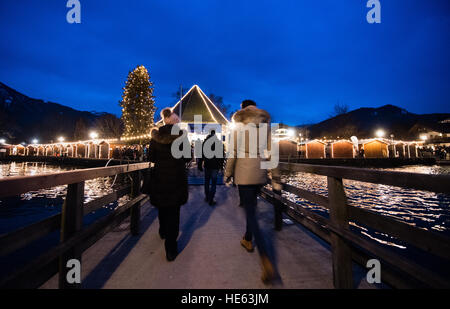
169 117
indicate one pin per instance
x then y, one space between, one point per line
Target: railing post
278 206
341 251
71 223
135 216
278 212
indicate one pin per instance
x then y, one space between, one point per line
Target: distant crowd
132 153
439 152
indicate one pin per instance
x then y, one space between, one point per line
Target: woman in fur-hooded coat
247 171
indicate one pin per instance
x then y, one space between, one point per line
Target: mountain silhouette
364 122
23 118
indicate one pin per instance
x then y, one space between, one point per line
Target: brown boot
268 274
247 245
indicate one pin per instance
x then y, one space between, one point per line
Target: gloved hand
228 180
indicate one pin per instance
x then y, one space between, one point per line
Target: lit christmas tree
138 104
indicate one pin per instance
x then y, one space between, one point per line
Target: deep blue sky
294 58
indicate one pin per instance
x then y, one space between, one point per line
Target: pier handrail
434 183
74 239
347 245
22 184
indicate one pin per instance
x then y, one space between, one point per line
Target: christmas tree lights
138 104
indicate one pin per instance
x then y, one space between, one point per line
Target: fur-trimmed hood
251 114
163 135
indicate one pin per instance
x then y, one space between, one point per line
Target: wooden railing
346 245
74 239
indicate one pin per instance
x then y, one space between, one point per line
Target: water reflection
427 210
19 211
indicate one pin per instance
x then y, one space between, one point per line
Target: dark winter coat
213 163
169 185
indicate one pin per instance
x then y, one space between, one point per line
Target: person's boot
247 245
171 251
212 202
268 271
161 234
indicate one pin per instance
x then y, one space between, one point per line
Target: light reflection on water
427 210
19 211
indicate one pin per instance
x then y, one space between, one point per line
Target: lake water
19 211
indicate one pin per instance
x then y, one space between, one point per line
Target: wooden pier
123 249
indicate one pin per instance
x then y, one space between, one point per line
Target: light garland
137 103
202 95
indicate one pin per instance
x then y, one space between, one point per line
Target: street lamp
423 137
380 133
61 139
35 141
290 133
2 141
93 135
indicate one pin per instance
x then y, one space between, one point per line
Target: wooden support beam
278 212
71 223
42 268
342 253
22 237
135 217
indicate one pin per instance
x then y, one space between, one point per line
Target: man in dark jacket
213 163
169 185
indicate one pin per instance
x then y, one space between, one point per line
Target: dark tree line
106 125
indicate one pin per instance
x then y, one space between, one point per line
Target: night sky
294 58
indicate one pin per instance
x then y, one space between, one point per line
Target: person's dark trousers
169 225
248 195
210 183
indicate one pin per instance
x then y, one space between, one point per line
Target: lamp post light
2 141
61 139
291 133
380 133
93 135
423 137
35 141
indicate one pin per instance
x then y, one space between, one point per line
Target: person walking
169 185
212 163
250 177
